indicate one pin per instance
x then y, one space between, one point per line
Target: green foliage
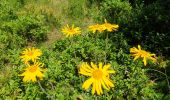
145 22
66 56
150 27
116 10
29 27
75 9
24 22
17 30
29 22
89 49
48 12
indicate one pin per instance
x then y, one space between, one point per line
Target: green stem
137 63
53 88
157 71
96 58
167 80
71 45
106 46
96 98
43 89
165 74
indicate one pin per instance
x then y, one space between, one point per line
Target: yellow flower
30 54
99 77
70 31
96 27
110 27
32 72
143 54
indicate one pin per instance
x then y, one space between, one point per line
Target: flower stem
43 89
167 80
106 46
96 58
96 98
165 74
53 88
71 47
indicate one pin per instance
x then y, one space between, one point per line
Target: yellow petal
106 67
144 61
87 83
108 83
93 65
91 69
100 86
139 47
97 87
25 79
33 78
103 84
100 66
105 20
136 57
85 68
111 71
85 73
94 87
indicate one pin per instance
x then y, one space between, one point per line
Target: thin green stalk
53 88
106 47
71 45
96 58
165 74
43 89
137 63
157 71
167 80
96 98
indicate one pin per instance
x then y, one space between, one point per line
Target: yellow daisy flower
110 27
70 31
95 28
32 72
99 77
30 54
143 54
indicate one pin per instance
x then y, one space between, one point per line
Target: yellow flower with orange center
32 72
110 27
102 27
142 54
99 77
30 54
71 31
95 28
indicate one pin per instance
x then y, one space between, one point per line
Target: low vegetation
84 50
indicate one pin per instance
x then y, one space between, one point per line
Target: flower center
33 69
144 54
97 74
30 53
72 30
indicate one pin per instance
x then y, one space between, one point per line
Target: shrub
116 11
93 49
146 23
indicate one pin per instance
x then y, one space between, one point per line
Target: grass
61 10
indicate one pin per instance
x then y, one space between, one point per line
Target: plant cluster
34 70
89 63
93 58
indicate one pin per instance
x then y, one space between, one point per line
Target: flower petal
87 83
106 67
94 87
144 61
